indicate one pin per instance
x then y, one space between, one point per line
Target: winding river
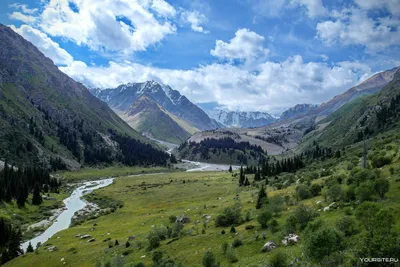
75 203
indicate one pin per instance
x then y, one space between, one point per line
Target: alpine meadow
175 133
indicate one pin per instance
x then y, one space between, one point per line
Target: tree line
17 183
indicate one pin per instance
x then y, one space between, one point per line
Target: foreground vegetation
340 211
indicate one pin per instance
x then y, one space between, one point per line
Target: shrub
224 247
172 218
209 260
300 217
264 217
380 161
139 264
302 192
233 230
127 244
154 242
365 192
347 226
237 243
335 193
278 259
231 256
381 187
315 189
230 216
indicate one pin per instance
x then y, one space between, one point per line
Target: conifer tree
262 196
36 198
29 248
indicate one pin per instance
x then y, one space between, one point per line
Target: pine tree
29 248
36 198
241 177
230 168
262 196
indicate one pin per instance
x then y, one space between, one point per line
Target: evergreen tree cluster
279 166
389 112
10 240
318 152
17 184
134 152
243 180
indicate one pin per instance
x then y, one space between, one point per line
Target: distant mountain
121 99
367 87
297 110
49 119
149 118
241 119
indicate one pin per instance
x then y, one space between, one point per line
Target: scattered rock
78 235
52 248
290 239
91 240
270 245
182 219
86 236
131 238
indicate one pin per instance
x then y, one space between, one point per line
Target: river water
75 203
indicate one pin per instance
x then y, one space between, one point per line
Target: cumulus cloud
195 19
121 25
353 26
271 86
393 6
246 45
47 46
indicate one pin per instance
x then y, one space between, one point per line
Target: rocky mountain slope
189 117
241 119
122 97
47 118
297 110
149 118
367 87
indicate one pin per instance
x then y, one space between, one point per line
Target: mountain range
338 121
149 105
241 119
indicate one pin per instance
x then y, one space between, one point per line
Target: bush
127 244
315 189
264 217
154 242
231 256
224 247
139 264
321 242
278 259
300 217
365 192
380 161
209 260
230 216
335 193
302 192
347 225
172 218
233 230
237 243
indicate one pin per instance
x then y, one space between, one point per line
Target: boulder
270 245
290 239
86 236
182 219
91 240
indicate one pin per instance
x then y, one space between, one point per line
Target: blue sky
242 54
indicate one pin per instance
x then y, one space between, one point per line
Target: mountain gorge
180 116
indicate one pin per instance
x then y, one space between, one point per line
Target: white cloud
392 6
353 26
246 45
195 19
121 25
163 8
271 86
47 46
22 17
314 8
24 8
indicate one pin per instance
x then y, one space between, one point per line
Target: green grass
114 171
